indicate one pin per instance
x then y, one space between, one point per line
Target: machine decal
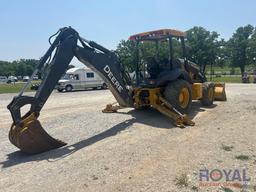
113 79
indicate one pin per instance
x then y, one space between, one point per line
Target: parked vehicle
25 78
246 78
80 78
35 86
19 78
3 79
35 77
12 79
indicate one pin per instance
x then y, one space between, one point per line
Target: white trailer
80 78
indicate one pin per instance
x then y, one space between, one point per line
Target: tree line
206 48
203 47
22 67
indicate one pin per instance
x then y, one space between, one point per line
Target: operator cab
158 53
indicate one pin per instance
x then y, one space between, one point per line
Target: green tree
4 68
251 49
20 67
223 54
238 47
126 50
202 46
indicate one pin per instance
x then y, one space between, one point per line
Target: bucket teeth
32 138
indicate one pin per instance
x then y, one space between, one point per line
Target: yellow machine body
197 91
220 92
156 100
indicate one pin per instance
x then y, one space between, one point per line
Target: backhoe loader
166 84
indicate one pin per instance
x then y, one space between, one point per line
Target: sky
25 25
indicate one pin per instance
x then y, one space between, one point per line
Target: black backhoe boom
65 45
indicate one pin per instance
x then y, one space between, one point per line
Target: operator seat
152 67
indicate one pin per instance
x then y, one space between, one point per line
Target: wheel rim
184 97
210 93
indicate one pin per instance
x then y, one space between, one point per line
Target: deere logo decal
113 79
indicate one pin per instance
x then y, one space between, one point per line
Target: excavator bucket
220 92
32 138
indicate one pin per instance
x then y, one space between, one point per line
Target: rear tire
68 88
208 94
179 94
104 86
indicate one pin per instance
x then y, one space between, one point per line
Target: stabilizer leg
167 109
112 108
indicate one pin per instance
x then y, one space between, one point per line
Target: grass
14 88
242 157
219 70
226 189
182 181
226 79
11 88
194 188
227 69
226 147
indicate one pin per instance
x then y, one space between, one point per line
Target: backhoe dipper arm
96 57
26 132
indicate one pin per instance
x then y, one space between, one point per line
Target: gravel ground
133 150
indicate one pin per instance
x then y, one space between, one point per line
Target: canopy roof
157 34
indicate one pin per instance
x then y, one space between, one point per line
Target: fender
167 76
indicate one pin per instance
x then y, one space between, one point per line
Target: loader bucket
32 138
220 92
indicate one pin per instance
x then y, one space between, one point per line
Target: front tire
208 94
104 86
68 88
179 94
